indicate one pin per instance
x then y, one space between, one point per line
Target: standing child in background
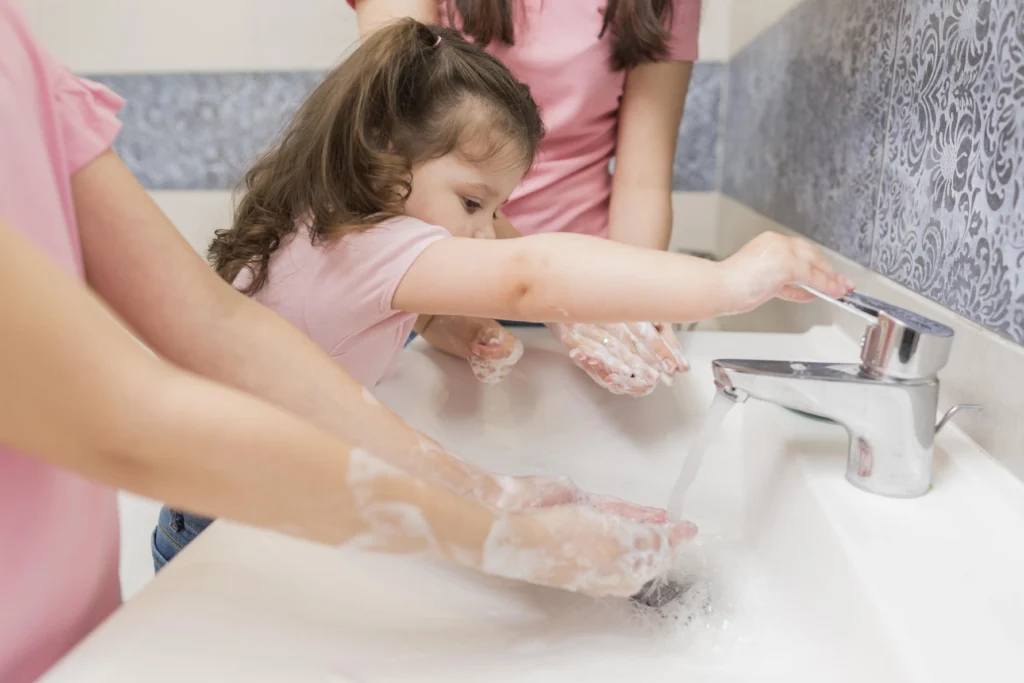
379 202
610 77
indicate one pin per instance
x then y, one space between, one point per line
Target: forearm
641 217
258 352
134 256
562 277
106 408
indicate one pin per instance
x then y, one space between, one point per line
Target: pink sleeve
86 112
685 31
359 276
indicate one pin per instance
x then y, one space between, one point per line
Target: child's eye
471 205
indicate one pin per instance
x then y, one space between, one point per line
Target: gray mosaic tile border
893 132
199 131
695 168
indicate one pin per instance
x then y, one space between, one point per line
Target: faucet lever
898 343
951 413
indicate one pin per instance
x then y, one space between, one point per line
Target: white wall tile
714 30
132 36
749 18
695 221
196 214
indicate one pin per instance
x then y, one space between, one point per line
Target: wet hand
579 548
625 358
515 494
493 353
770 264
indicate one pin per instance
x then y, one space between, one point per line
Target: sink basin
796 575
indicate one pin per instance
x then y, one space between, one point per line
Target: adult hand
515 494
624 358
579 548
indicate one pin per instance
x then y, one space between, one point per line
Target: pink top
58 531
340 293
559 55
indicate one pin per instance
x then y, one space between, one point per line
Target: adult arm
649 116
155 282
78 392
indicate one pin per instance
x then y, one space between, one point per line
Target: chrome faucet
887 402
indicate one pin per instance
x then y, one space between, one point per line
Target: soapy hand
491 350
624 358
515 494
770 264
493 353
578 548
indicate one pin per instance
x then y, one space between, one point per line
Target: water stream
695 456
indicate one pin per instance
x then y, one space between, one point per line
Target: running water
691 463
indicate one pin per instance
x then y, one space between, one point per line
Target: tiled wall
198 131
893 132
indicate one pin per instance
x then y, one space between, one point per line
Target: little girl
379 201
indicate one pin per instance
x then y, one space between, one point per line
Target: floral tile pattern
805 122
951 217
200 131
695 168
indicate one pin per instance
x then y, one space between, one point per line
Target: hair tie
437 41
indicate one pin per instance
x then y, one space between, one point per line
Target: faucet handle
898 343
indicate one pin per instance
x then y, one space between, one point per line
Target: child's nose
486 231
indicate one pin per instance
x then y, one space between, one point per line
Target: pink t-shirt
558 54
58 531
340 293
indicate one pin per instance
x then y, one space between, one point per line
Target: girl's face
462 196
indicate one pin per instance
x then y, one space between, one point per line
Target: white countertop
799 576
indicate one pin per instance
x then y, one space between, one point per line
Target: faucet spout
890 421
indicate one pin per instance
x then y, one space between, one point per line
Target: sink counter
797 575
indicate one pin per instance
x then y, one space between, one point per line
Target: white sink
798 576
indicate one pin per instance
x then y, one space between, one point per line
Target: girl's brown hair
639 28
411 92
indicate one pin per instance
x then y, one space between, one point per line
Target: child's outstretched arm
575 278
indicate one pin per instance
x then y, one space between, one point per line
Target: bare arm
652 106
372 14
78 391
142 267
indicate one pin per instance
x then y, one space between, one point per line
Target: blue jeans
174 530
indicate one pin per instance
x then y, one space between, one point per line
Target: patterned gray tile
199 131
695 168
951 218
805 121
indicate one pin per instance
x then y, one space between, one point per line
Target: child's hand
493 353
769 264
579 548
491 350
625 358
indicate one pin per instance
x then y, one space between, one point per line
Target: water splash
691 463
